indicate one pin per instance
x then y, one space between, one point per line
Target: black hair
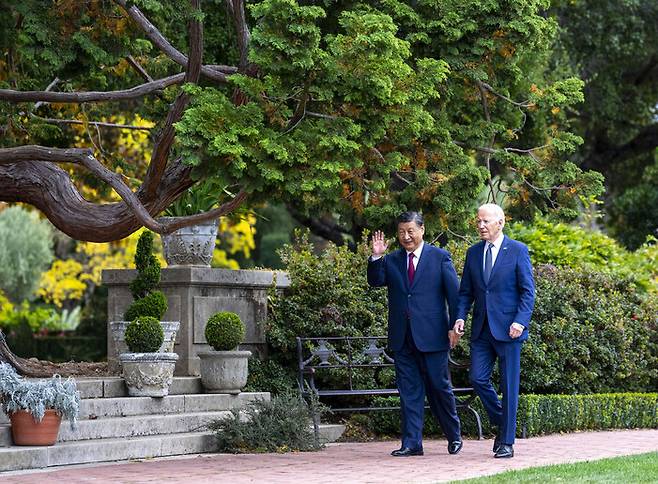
406 217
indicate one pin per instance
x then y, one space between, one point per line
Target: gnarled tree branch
236 8
163 144
215 72
91 96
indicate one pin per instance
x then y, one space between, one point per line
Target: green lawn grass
630 469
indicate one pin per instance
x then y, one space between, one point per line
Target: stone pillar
194 294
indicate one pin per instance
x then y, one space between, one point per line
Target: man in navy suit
498 282
422 284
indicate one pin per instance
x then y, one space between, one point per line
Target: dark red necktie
411 270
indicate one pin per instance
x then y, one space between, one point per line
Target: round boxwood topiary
153 304
224 331
144 335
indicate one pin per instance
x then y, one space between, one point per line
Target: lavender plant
35 396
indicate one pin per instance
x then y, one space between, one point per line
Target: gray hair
493 208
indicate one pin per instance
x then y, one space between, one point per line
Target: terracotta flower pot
26 431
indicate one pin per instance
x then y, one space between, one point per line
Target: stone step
330 432
131 416
129 406
104 450
5 435
140 425
112 387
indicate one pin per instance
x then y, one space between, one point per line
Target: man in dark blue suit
422 285
498 282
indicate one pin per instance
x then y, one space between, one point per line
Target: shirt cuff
518 326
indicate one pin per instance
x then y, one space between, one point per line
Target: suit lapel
479 251
402 264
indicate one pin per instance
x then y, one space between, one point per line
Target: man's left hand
516 330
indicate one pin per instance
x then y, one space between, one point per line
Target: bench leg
477 421
316 426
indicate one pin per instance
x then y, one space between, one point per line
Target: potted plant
36 407
147 372
193 245
225 369
147 300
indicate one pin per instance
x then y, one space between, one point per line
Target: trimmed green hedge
544 414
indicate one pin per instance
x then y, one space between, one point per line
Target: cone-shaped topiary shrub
147 301
144 335
224 331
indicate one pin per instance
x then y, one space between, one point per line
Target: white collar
498 242
418 250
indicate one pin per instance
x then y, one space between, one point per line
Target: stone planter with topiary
224 370
147 373
148 301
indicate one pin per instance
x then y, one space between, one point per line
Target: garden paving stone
361 463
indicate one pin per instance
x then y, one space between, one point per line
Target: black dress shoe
496 446
504 452
455 446
406 452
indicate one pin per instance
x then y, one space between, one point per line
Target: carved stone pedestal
194 294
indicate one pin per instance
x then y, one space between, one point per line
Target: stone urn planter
170 329
190 246
224 371
148 374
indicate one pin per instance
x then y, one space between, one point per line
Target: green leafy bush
269 376
572 246
25 252
224 331
36 318
153 304
144 335
591 333
544 414
280 425
328 296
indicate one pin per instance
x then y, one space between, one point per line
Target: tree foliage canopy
613 47
354 109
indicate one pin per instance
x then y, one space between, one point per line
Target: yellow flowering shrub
234 238
70 279
62 282
239 236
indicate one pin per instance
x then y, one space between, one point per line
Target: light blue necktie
488 263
